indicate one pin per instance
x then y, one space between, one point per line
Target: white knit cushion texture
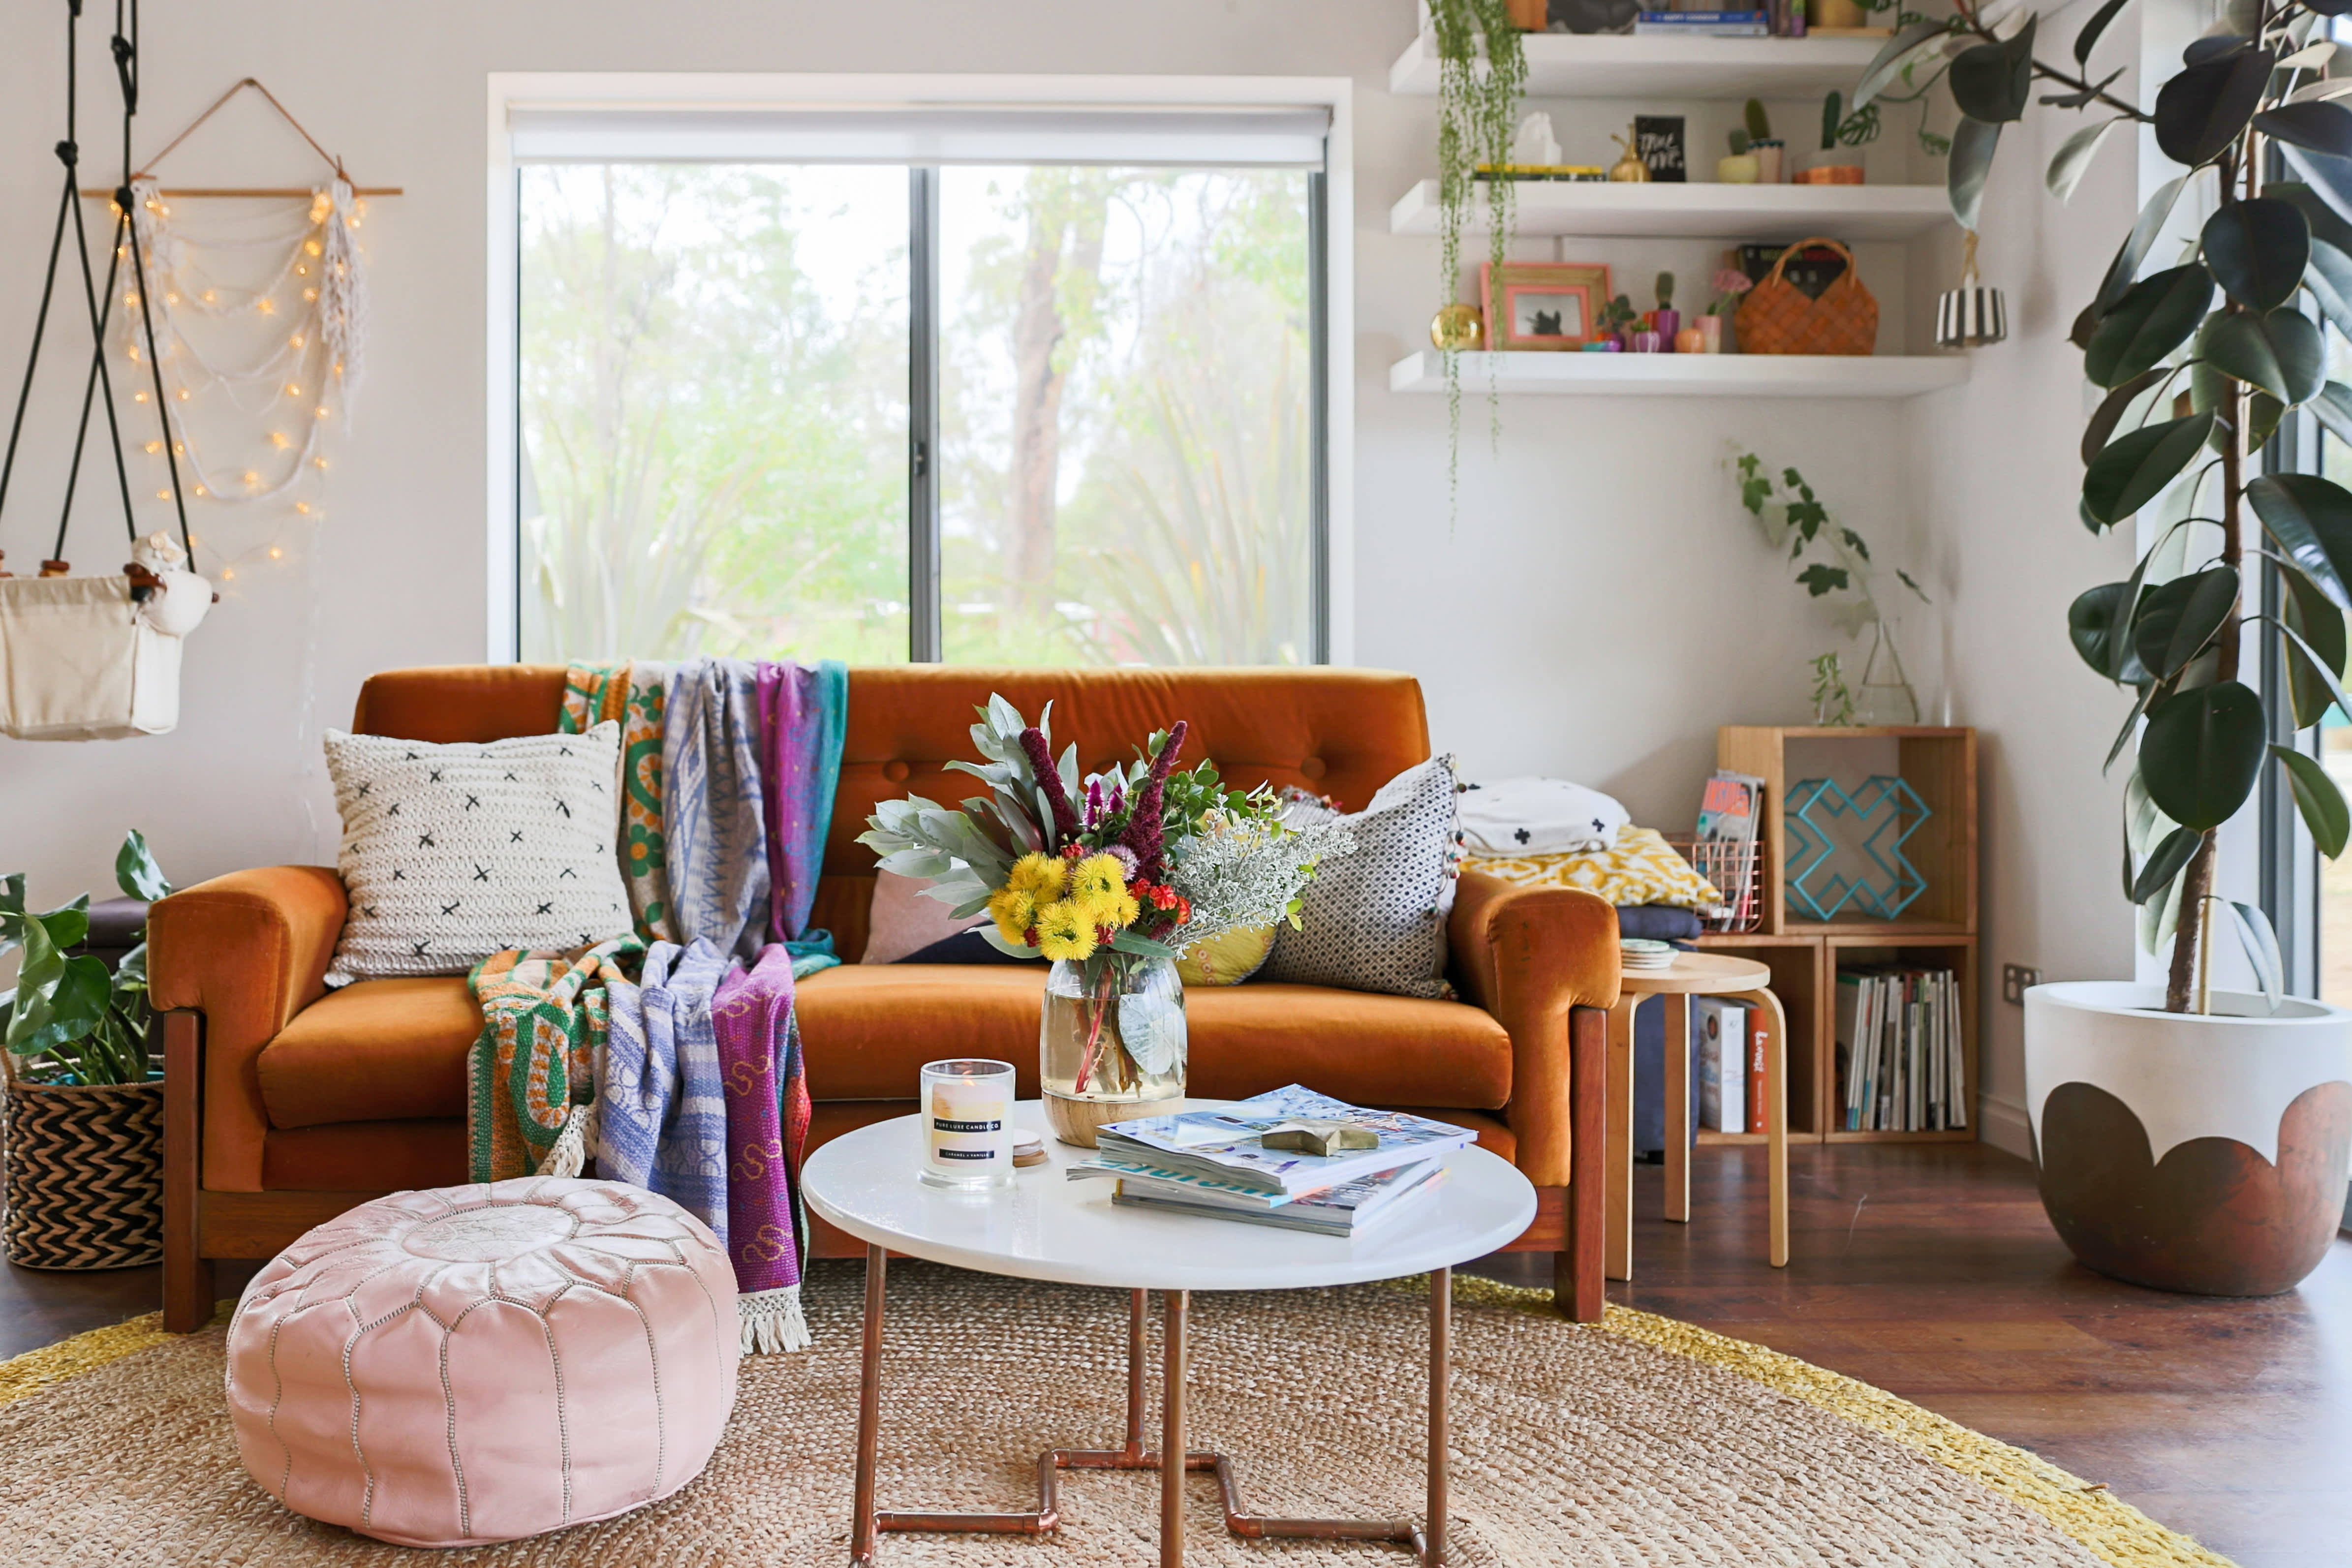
1375 920
452 853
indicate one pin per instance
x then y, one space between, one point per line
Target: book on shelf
1224 1144
1703 23
1343 1211
1720 1030
1758 1042
1901 1062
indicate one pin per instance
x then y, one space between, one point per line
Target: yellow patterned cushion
1641 867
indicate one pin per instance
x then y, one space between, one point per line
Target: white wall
1596 608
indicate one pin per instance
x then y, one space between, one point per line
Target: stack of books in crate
1257 1161
1898 1050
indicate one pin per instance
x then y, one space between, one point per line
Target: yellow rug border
2092 1516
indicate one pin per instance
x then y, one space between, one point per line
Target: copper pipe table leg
869 1413
1440 1436
1175 1306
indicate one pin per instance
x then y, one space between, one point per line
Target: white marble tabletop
1047 1227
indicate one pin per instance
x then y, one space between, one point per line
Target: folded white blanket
1538 817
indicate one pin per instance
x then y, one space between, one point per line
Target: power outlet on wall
2014 979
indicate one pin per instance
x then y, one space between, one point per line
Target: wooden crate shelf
1806 956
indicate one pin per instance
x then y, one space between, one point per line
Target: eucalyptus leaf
2318 799
2257 250
1967 168
2153 317
2171 858
2310 517
2181 617
2201 751
2134 468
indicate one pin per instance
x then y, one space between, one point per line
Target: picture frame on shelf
1658 138
1542 305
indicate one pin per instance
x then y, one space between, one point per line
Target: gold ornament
1457 329
1630 169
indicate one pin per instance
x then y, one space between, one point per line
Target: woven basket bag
1778 318
85 1181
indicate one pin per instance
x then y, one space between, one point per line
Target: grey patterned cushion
1375 920
453 852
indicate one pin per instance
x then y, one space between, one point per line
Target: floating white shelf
1572 375
1572 65
1779 213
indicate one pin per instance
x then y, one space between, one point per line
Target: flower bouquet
1111 878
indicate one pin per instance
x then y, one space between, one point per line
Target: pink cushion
905 919
479 1363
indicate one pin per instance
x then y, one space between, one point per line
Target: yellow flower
1097 885
1013 910
1041 876
1065 931
1123 910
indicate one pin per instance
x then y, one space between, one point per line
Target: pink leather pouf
479 1363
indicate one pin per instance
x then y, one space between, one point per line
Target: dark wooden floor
1930 1272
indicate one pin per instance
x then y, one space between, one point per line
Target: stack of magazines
1213 1163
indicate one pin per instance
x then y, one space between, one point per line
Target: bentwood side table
1046 1227
1691 974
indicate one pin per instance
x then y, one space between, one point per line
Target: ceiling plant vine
2200 361
1481 74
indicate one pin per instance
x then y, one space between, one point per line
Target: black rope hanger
98 385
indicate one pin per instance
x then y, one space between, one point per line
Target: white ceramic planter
2203 1152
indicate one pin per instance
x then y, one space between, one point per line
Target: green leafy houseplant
1799 521
2200 359
69 1020
1481 73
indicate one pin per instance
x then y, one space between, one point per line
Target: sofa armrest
248 950
1528 955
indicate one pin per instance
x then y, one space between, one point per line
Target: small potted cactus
1665 320
1768 149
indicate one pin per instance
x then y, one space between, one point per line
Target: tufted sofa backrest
1342 733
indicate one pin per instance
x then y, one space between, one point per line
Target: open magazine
1222 1146
1341 1210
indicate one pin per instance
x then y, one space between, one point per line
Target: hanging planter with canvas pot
2197 1152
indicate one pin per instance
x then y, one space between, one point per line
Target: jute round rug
1642 1441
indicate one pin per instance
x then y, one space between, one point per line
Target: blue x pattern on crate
1891 810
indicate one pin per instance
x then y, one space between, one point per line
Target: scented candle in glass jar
967 1119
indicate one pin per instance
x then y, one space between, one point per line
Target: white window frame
767 90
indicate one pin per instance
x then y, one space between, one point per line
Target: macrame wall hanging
260 316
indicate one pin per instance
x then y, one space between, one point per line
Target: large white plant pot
2203 1152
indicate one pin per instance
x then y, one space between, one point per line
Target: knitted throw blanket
637 696
713 805
544 1023
767 1129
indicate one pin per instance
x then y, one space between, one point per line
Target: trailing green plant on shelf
69 1021
2196 384
1481 74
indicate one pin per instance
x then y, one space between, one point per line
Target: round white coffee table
1047 1227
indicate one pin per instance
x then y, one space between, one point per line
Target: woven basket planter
85 1175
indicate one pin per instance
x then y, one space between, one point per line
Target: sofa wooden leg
1579 1288
187 1274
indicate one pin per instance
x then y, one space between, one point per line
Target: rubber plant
1481 73
68 1019
2200 359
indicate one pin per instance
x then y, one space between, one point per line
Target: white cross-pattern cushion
453 852
1375 920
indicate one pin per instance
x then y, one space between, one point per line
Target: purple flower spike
1144 832
1049 779
1094 803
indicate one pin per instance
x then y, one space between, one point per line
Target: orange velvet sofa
287 1103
